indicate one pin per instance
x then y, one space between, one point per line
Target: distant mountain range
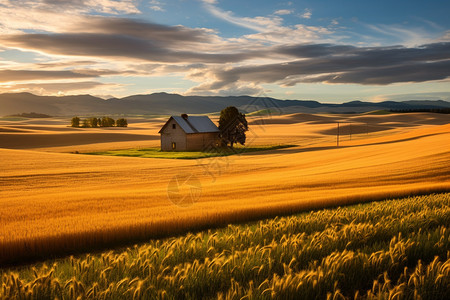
168 104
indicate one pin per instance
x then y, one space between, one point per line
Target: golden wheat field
392 249
53 201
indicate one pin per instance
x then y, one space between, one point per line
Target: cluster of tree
232 126
432 110
98 122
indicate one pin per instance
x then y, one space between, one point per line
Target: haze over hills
166 104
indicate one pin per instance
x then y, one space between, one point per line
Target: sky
325 50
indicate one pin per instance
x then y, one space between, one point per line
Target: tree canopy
75 122
232 126
121 122
107 122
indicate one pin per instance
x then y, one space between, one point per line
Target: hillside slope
167 104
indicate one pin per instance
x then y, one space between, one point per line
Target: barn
188 133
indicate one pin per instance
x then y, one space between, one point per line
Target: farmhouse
188 133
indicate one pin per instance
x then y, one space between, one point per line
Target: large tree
232 126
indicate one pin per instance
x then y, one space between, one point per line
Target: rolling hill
165 104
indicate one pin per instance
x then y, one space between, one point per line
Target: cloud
58 64
116 46
291 35
103 6
302 63
429 23
418 72
57 88
404 36
340 64
56 15
417 96
314 50
104 72
270 30
156 5
128 38
231 90
445 37
160 69
16 19
84 43
307 13
140 29
26 75
210 1
260 24
156 8
283 12
131 39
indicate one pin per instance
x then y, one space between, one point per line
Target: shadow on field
299 149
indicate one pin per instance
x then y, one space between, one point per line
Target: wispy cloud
404 36
270 29
103 6
156 8
282 12
417 96
445 37
156 5
231 90
430 23
307 13
27 75
57 88
259 24
56 15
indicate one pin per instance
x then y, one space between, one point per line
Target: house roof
194 124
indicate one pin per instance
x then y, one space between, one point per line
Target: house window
174 126
174 145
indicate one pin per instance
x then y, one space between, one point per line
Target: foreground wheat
382 250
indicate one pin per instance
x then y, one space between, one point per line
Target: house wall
200 141
170 135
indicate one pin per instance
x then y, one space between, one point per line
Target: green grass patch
157 153
262 112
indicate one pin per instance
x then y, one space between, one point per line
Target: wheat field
53 202
396 249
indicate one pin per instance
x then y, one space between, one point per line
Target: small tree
121 122
93 122
85 123
107 122
232 126
75 122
